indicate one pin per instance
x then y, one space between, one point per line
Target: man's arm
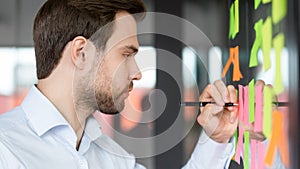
215 146
210 154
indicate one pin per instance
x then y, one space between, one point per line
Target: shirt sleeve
210 154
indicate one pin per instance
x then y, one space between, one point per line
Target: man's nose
135 73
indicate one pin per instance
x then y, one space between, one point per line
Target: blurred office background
204 62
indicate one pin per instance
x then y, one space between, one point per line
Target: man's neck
61 97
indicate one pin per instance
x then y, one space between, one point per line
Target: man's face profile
113 71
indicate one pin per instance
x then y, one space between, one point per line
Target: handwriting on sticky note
279 10
257 44
267 42
233 59
278 44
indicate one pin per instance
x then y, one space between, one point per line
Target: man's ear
77 51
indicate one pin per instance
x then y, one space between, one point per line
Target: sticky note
266 1
246 105
258 125
234 19
251 101
278 44
253 153
233 59
256 44
240 149
231 21
279 10
246 149
267 111
256 4
258 108
278 140
267 42
260 155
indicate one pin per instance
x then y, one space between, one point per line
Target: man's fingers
222 89
259 82
210 93
208 112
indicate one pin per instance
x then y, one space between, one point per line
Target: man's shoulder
12 120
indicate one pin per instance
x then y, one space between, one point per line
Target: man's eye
127 55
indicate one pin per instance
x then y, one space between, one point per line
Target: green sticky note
246 150
278 44
236 138
231 21
236 17
266 1
256 4
257 44
267 42
251 100
267 111
234 23
279 10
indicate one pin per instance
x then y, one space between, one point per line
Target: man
85 63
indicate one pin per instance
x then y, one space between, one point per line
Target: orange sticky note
233 59
257 44
278 44
278 140
267 42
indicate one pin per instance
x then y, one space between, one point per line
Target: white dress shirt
36 136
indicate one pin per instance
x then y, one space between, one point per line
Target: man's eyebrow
132 48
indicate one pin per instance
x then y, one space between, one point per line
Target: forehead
125 32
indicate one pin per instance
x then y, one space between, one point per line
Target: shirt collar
92 128
41 113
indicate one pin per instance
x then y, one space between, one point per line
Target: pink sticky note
253 154
240 148
260 155
258 108
246 105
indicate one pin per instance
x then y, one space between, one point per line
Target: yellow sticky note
257 44
251 101
236 17
267 42
266 1
267 111
279 10
256 4
278 44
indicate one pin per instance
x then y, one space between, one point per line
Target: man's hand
219 122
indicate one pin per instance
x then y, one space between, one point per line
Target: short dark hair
59 21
